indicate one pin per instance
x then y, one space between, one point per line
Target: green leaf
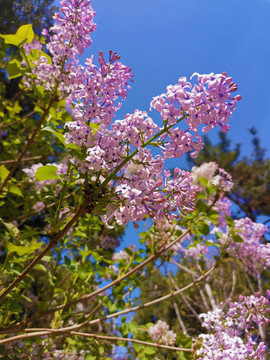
213 216
203 181
210 243
22 250
237 238
101 350
14 307
13 69
201 206
13 230
133 326
229 221
61 138
3 172
29 233
94 127
12 39
14 189
24 34
149 350
41 267
90 357
35 54
47 172
204 229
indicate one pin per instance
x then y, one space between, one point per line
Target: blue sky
162 40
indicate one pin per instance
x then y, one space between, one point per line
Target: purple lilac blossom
226 329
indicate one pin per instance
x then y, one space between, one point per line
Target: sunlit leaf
47 172
24 34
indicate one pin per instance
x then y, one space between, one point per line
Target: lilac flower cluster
109 243
67 39
251 251
141 195
161 334
110 149
205 171
231 336
222 206
209 104
222 181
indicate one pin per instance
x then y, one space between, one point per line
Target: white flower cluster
160 333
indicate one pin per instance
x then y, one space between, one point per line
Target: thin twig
53 241
186 269
53 332
156 301
232 290
124 276
18 121
123 312
185 300
29 142
194 274
22 160
146 343
179 318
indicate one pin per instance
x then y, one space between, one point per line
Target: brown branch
156 301
190 307
177 312
146 343
25 217
22 160
124 276
232 290
51 332
29 142
18 121
70 329
119 313
86 297
53 241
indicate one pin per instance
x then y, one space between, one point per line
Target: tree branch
51 332
53 241
22 160
29 142
124 276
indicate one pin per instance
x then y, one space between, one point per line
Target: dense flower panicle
136 128
93 92
222 206
66 41
205 171
209 103
251 251
225 339
222 181
109 243
160 333
71 29
254 255
140 195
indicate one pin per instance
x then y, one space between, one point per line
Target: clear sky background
162 40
